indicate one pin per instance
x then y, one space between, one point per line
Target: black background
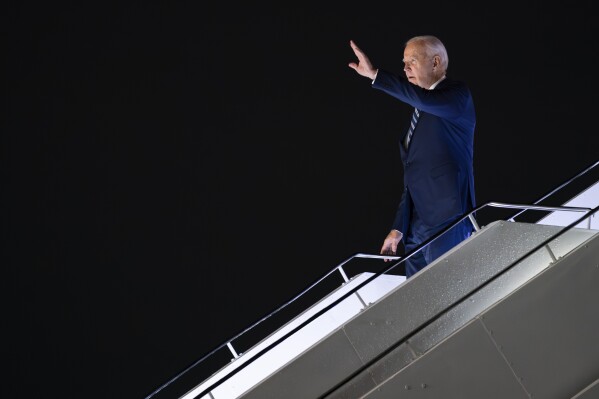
172 172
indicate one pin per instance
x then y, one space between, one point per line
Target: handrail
557 189
456 303
539 207
353 290
227 343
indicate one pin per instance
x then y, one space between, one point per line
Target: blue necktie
413 122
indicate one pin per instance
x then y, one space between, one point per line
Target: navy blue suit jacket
438 165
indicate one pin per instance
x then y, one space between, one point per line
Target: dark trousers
419 232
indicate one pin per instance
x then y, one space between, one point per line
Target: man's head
425 60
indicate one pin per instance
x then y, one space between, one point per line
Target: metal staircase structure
511 312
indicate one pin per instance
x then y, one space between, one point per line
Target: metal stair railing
558 188
375 359
469 215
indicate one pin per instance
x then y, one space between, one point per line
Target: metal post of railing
346 280
235 355
473 221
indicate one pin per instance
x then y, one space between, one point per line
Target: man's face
417 66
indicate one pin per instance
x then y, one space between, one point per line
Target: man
436 150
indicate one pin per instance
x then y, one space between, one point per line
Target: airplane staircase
511 312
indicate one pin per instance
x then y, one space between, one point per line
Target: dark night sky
172 172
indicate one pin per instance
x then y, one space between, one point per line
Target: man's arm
448 101
395 235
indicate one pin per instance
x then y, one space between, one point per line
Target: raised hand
363 66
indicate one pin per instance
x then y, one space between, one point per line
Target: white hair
433 47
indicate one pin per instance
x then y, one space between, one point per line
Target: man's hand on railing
390 244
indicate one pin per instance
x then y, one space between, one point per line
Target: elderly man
436 150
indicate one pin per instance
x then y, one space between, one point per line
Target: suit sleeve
398 222
447 101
